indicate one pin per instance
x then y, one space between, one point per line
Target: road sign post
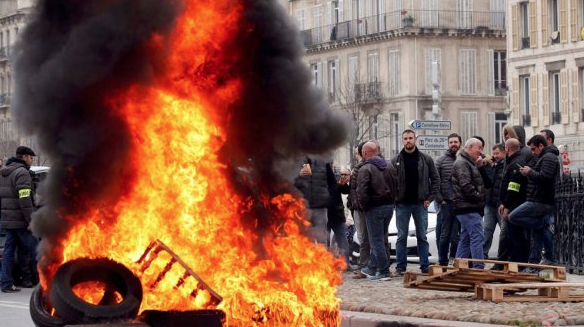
432 142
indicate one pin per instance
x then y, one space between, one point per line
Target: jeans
531 215
518 243
504 251
420 215
340 231
438 226
20 237
318 230
363 237
449 235
471 238
491 219
548 238
377 220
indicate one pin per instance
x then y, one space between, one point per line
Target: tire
39 313
114 275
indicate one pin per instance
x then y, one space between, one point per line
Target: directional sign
432 142
431 124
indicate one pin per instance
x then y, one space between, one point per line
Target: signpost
431 124
432 142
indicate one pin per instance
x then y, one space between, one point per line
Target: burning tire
39 311
117 279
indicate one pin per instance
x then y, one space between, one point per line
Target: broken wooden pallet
464 279
555 291
554 272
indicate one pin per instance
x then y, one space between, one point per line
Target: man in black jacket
492 217
16 194
540 193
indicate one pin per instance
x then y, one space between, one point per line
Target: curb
364 319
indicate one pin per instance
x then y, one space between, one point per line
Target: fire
181 195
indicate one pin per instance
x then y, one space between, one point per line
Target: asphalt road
14 309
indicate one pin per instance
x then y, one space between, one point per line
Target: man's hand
525 170
480 162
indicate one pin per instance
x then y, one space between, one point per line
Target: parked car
412 241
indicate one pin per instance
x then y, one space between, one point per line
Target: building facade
546 69
389 62
12 20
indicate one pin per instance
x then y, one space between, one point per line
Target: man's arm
434 180
24 189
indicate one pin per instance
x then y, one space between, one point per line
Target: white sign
431 124
432 142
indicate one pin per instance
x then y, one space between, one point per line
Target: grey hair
472 141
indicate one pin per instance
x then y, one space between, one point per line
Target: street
14 309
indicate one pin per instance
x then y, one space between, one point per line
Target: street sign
431 124
432 142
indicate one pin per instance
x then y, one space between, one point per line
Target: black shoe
400 272
27 284
425 270
497 267
11 289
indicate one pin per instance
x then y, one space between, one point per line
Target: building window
524 24
524 100
500 121
316 69
468 125
432 55
394 72
353 75
300 19
554 15
500 72
333 79
395 138
468 71
373 67
555 97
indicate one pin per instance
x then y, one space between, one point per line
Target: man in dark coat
492 217
540 193
16 194
336 214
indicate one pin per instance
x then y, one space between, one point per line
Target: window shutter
575 97
491 128
341 18
574 20
564 100
515 26
563 21
320 72
534 110
490 72
532 24
515 99
545 35
545 98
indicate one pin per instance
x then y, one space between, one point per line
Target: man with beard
492 217
376 189
540 193
418 184
448 233
469 201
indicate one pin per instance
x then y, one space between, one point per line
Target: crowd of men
513 187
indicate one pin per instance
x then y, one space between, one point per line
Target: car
412 241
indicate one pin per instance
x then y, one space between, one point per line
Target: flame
180 195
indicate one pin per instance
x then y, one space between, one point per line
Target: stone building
389 62
12 19
546 70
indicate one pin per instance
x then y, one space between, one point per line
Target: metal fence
434 19
569 224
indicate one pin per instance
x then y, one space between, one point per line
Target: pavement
387 303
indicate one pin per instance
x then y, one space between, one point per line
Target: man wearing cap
16 196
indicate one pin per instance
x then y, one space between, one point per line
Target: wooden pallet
463 279
555 272
555 291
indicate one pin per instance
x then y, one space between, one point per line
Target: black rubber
39 310
114 275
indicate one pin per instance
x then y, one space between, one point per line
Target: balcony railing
389 21
4 99
556 117
525 42
526 120
368 92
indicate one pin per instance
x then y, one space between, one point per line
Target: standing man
376 189
314 182
450 227
540 193
336 214
16 194
548 231
492 217
469 201
418 184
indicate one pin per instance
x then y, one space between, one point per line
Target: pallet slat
559 291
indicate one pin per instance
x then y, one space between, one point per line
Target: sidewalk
388 299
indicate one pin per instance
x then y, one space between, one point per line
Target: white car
412 241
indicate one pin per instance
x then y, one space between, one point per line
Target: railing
368 92
556 117
4 99
439 19
526 120
569 224
3 53
525 42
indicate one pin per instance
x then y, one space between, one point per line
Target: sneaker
497 267
27 284
368 272
11 289
529 270
547 262
380 277
400 272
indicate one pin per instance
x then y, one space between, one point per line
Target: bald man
512 244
